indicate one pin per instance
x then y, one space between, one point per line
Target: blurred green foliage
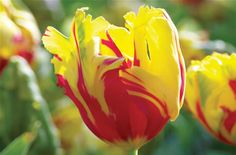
31 101
20 145
22 108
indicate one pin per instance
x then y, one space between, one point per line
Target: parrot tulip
211 94
18 33
126 82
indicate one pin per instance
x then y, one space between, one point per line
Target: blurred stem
133 152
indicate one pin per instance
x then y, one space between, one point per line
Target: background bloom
191 43
126 83
19 30
211 94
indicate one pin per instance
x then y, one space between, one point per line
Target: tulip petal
156 47
76 58
121 38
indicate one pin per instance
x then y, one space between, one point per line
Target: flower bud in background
126 83
196 44
211 94
191 45
19 33
206 9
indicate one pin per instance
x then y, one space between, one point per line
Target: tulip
211 94
18 33
126 83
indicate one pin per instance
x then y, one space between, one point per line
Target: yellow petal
157 50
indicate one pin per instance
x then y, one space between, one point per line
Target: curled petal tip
81 11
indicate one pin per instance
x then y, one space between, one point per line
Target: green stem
133 152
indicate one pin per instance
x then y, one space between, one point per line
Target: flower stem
133 152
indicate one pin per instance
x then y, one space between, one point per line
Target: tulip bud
126 82
211 94
191 45
18 32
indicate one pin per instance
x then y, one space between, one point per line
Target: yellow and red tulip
211 94
18 33
126 82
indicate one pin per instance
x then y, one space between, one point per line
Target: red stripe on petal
118 102
134 116
127 64
139 88
202 117
232 84
131 83
58 57
111 44
222 138
46 35
132 75
230 119
63 83
156 121
104 124
109 61
136 60
203 120
181 65
182 84
81 84
75 38
138 119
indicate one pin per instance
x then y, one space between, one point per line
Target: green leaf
19 146
22 108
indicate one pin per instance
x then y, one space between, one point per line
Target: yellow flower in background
191 45
18 32
211 94
126 82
